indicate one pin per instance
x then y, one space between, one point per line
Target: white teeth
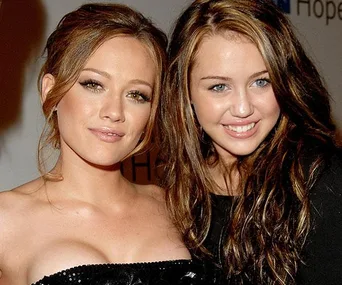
241 129
111 134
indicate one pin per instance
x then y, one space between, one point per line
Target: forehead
121 44
227 53
211 39
126 52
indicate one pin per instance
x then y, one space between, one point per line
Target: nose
112 108
241 106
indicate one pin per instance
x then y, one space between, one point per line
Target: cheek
72 111
139 118
273 109
268 106
208 110
76 106
144 119
272 114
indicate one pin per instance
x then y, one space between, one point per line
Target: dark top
176 272
322 251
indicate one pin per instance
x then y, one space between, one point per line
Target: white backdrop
25 25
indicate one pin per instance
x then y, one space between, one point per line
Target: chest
48 242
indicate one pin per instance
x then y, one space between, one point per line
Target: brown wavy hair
270 220
76 38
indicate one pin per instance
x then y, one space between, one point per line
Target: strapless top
175 272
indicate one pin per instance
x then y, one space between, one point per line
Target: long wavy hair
76 38
270 220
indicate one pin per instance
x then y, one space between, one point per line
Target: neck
91 183
226 178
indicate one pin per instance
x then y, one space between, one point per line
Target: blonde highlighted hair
76 38
269 222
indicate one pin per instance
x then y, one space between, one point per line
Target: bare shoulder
20 193
152 197
164 238
16 207
151 191
16 201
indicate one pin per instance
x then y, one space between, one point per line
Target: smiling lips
107 135
111 134
241 131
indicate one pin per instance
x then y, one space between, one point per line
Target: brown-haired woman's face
232 94
103 115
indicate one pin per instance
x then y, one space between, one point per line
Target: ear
48 81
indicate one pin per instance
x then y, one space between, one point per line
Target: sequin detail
176 272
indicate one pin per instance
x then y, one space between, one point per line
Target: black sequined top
177 272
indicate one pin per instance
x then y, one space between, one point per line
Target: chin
106 159
105 166
104 162
244 152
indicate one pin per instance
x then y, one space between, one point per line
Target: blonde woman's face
101 118
232 94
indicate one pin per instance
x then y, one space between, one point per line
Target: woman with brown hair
83 222
250 160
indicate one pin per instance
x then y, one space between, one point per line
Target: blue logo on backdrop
283 5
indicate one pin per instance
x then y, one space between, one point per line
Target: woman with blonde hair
83 222
249 154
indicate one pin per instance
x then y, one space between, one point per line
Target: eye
138 97
218 87
92 85
261 82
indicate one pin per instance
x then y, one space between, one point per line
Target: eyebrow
142 82
107 75
103 73
225 78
